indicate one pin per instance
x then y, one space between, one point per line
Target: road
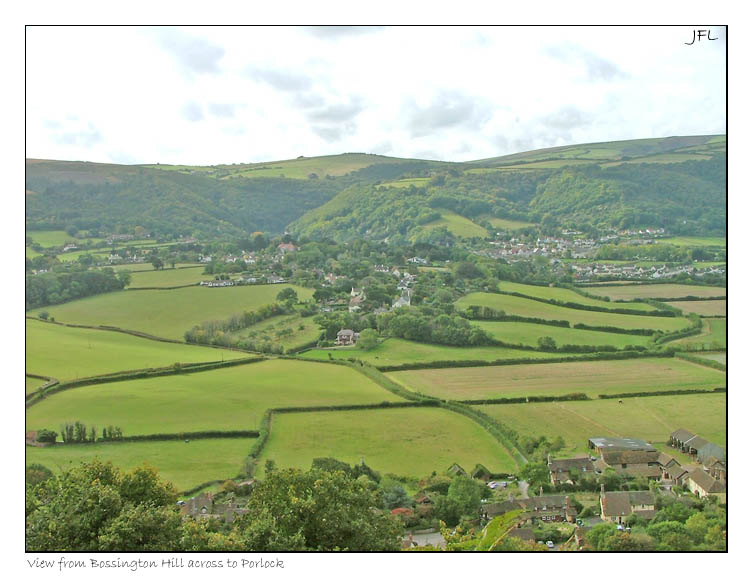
523 487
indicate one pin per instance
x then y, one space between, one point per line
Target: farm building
617 506
346 337
704 485
629 457
701 448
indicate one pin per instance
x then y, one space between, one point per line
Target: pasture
169 277
589 377
720 356
568 296
51 238
233 398
69 352
529 308
186 465
33 383
713 336
695 241
714 308
288 331
657 291
508 224
168 313
457 225
402 441
529 334
648 418
394 351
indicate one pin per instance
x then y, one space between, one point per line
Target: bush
46 435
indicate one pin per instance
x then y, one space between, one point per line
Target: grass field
657 291
147 267
184 464
169 277
509 224
648 418
716 308
694 241
289 331
168 313
528 308
51 238
405 183
589 377
69 353
529 334
226 399
395 351
457 225
720 357
33 383
568 296
31 253
404 441
714 335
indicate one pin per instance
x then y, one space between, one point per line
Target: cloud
448 110
222 110
192 111
567 118
86 137
596 67
193 53
332 133
280 79
335 32
337 112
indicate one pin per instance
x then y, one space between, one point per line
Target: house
629 457
704 485
676 474
286 247
616 507
403 301
346 337
560 469
203 506
550 508
524 534
715 468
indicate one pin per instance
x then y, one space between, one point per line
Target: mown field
529 334
168 313
69 353
568 296
529 308
694 241
715 308
648 418
224 399
457 225
394 351
714 336
186 465
656 291
403 441
168 277
289 331
589 377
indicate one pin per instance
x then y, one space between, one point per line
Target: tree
547 343
535 473
316 510
124 277
288 295
269 467
157 263
368 339
467 493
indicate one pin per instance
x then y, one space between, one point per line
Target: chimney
541 491
602 489
549 459
567 502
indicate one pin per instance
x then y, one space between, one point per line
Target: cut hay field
288 331
233 398
168 313
714 336
529 334
589 377
648 418
529 308
186 465
568 296
457 225
657 291
68 352
394 351
404 441
168 277
715 308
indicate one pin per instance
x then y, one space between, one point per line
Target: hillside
677 182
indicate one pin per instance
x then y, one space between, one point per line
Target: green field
405 183
567 296
184 464
457 225
715 308
234 398
31 253
714 336
719 357
147 267
529 334
394 351
169 277
509 224
404 441
529 308
648 418
657 291
33 383
589 377
68 352
168 313
694 241
289 331
51 238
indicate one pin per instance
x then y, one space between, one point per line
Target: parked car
549 544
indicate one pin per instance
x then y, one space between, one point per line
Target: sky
206 95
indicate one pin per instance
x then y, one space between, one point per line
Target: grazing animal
620 401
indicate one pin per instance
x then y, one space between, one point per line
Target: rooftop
620 444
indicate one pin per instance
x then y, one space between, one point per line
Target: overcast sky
230 95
